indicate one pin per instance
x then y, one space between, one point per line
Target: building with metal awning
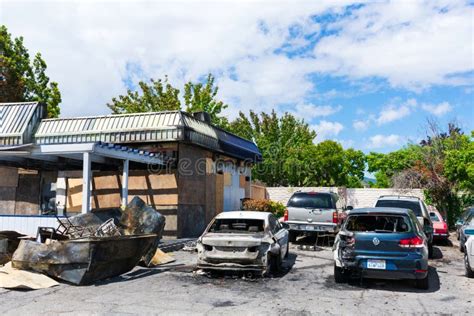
181 164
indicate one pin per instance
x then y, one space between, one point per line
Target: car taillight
440 230
285 216
335 218
415 242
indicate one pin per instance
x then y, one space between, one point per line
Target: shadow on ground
402 286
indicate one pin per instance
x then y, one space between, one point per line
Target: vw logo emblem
376 241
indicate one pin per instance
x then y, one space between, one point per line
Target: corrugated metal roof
144 127
17 122
124 128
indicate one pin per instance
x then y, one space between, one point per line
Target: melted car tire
469 273
273 265
422 284
430 251
291 236
339 275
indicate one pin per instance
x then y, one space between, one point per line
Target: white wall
363 197
25 224
234 193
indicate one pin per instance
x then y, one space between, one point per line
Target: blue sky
366 74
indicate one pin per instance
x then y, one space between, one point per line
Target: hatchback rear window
378 223
311 200
237 225
434 217
414 206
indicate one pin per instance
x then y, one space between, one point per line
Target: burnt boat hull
84 260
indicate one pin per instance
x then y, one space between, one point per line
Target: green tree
282 141
23 79
386 166
202 97
442 165
159 95
290 158
354 167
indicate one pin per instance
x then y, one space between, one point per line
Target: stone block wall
363 197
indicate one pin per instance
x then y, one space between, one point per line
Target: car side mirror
349 208
285 225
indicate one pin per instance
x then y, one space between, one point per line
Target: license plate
310 227
376 264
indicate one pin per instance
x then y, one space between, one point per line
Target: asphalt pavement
304 287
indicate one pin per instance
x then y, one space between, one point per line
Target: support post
86 182
125 183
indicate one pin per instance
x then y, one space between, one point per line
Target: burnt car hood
233 240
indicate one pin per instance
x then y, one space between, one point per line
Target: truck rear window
311 200
414 206
378 223
237 225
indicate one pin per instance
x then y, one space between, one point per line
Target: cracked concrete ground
306 287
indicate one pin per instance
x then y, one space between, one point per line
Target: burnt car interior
378 224
237 225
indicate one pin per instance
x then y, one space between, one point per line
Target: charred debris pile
94 246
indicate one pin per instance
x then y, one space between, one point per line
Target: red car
440 226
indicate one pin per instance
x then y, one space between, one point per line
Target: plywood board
27 197
8 177
7 198
154 189
74 195
192 190
227 179
219 193
242 181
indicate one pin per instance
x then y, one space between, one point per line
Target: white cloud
437 109
381 141
346 143
88 45
311 111
393 112
326 130
409 43
361 125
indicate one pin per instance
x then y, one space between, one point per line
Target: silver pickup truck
312 213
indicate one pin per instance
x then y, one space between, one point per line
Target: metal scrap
108 229
9 241
111 243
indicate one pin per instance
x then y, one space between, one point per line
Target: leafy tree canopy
202 97
160 95
23 78
442 165
290 158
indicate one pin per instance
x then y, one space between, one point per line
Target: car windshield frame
307 200
403 204
406 219
233 223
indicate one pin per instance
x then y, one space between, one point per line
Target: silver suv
311 213
417 206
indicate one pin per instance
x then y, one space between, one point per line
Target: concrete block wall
363 197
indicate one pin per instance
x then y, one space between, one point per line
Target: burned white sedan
254 242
